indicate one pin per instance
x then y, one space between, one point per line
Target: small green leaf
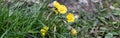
99 37
114 33
109 35
103 29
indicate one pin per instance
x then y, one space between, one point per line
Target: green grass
19 20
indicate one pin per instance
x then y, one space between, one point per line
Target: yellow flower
44 30
56 4
43 34
73 32
61 8
70 17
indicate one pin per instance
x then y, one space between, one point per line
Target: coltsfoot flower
44 30
70 17
56 4
61 8
73 31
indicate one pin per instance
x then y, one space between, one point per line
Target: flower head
73 31
44 30
70 17
61 8
56 4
